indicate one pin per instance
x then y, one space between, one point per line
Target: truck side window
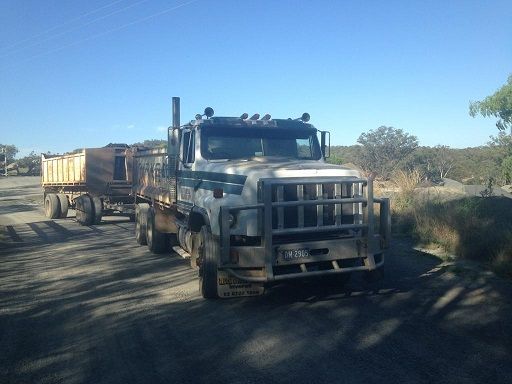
188 147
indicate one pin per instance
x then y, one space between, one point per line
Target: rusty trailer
95 182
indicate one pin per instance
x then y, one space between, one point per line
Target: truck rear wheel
97 205
63 204
84 210
51 206
141 212
158 242
208 255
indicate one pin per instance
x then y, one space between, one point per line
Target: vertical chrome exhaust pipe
175 112
172 136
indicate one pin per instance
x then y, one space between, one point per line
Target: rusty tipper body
252 201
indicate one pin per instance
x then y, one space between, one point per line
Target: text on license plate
293 254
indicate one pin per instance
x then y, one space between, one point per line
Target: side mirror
325 143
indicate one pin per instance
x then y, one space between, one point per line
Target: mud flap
229 286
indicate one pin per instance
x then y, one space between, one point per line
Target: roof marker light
208 112
256 116
305 117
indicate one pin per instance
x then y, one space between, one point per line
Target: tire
158 242
63 204
208 254
84 210
51 206
194 254
141 212
97 207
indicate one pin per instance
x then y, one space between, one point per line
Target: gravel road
88 305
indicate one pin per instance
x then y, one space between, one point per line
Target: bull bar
363 227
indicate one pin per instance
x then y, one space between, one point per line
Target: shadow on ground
90 306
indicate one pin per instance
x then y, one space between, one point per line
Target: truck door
186 181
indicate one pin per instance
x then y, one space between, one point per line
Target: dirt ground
88 305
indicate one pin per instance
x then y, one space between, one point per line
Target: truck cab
254 202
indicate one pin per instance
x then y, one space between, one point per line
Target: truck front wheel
208 260
158 242
51 206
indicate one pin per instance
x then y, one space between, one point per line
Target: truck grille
300 206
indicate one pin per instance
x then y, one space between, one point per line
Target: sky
77 74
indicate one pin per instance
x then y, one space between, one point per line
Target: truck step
180 251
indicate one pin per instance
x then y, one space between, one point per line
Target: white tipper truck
252 202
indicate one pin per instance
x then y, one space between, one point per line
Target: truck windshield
246 143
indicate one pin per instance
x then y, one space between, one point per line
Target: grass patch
469 228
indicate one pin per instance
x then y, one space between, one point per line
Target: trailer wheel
84 210
158 242
97 205
52 206
208 255
63 204
141 212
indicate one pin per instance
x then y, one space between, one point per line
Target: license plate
294 254
229 286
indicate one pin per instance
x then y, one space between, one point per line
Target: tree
498 105
32 163
506 169
422 159
443 160
502 144
10 151
384 149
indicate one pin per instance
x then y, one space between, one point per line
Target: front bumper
332 247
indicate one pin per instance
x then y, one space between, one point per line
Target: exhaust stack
173 136
175 112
